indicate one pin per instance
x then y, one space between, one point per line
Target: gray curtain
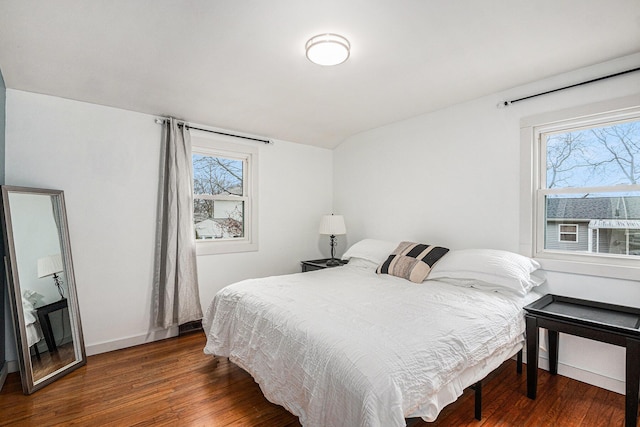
176 295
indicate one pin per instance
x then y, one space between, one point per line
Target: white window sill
224 247
592 267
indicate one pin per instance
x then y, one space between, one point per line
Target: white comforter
347 347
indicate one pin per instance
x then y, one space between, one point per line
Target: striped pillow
412 261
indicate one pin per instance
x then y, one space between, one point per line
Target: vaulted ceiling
241 65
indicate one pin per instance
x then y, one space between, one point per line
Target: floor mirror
41 285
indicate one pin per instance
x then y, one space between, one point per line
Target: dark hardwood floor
172 383
51 362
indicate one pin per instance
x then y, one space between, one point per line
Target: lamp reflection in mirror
332 225
50 266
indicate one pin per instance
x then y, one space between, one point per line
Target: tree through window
589 176
220 196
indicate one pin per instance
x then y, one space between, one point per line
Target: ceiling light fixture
328 49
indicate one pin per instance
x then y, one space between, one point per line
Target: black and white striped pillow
412 261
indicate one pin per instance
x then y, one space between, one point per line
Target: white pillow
372 250
485 286
362 263
488 269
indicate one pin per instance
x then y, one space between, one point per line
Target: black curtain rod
266 141
507 103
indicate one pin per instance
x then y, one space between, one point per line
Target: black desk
45 322
608 323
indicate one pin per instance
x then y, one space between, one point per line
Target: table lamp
332 225
50 266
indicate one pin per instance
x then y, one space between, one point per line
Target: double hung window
225 196
586 189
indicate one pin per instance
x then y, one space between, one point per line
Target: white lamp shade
332 225
328 49
49 265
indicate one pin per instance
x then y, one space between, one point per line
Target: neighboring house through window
584 172
225 194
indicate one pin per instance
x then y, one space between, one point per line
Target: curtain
176 295
56 210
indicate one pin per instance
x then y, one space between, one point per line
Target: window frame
575 233
213 145
533 191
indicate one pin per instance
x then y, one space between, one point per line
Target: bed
32 326
347 346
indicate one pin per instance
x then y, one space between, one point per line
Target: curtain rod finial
503 104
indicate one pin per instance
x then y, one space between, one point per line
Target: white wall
107 161
295 191
452 177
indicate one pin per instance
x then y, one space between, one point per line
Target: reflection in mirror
42 287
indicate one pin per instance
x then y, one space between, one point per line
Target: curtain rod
266 141
507 103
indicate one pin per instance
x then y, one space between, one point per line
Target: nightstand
45 322
319 264
613 324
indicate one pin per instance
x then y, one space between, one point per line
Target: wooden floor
51 362
172 383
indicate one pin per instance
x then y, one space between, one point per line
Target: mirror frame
15 294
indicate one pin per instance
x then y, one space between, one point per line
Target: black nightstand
319 264
45 323
613 324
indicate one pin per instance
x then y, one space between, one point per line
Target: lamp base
58 283
333 262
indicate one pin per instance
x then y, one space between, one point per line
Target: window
568 233
219 197
585 181
225 197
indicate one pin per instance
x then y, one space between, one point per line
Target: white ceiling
240 64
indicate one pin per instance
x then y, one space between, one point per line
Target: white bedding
347 347
32 326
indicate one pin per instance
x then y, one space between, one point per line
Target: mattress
345 346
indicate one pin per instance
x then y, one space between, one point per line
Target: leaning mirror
41 285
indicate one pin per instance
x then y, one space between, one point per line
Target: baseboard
12 366
131 341
598 380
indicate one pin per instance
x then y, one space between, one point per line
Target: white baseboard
132 341
12 366
598 380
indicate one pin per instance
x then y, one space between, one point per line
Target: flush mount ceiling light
328 49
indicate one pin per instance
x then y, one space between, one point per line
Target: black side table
319 264
45 322
613 324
